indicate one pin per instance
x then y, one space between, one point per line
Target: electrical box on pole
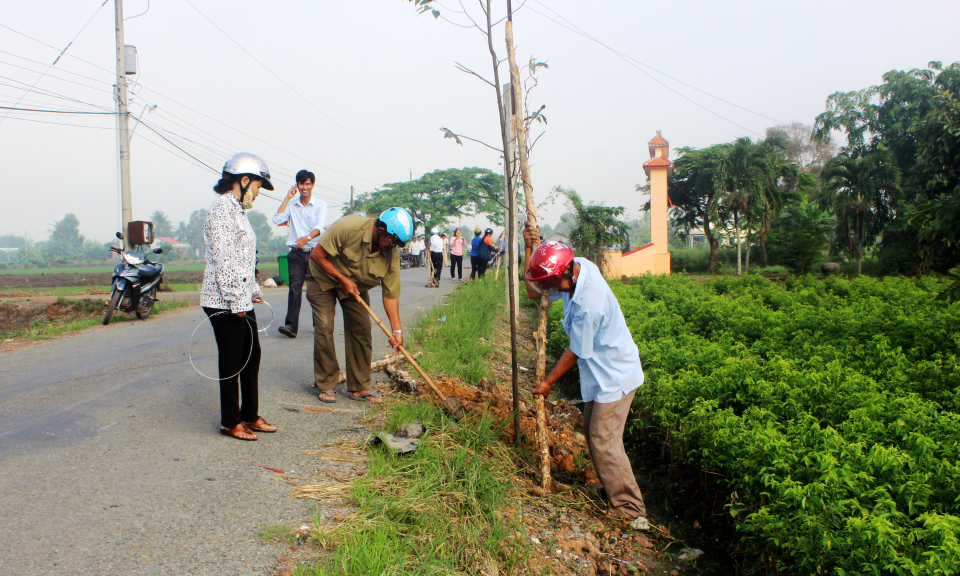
130 59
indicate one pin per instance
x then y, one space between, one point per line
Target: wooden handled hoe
451 404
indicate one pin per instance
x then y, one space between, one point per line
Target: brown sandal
240 432
260 425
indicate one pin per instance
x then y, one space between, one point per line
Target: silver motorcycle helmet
245 163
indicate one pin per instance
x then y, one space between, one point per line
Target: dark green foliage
800 235
440 196
828 408
595 227
913 118
161 224
858 189
268 243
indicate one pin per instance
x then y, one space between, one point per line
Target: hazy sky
386 76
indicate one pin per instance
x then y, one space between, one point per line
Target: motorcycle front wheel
146 304
112 305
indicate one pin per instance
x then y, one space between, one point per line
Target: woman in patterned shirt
230 290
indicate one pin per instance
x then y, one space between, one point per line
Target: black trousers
481 266
239 352
437 259
473 267
298 263
456 262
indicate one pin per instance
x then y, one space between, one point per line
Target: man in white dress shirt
306 217
436 253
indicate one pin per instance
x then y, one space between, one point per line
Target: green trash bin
284 268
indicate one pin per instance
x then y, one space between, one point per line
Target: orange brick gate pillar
658 169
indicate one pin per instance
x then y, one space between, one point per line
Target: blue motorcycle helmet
399 225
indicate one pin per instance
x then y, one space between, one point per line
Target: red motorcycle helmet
547 265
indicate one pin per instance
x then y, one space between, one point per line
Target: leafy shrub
829 407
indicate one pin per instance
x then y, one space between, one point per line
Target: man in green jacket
354 255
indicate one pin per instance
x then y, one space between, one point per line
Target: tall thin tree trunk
540 335
714 247
736 229
859 246
746 264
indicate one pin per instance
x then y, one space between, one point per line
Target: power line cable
658 81
352 177
32 87
60 123
618 52
32 61
55 48
62 52
45 92
231 146
215 155
294 90
205 153
57 111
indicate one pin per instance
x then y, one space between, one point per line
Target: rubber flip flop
330 393
229 432
363 397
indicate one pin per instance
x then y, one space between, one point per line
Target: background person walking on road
305 216
230 291
457 243
354 255
436 253
416 250
603 349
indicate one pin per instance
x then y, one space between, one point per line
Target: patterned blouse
228 281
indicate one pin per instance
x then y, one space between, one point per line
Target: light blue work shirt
609 360
303 220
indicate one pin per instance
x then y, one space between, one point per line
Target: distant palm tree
858 189
161 224
751 175
183 231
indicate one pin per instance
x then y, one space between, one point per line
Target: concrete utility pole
126 200
351 199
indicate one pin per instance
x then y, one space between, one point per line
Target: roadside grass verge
106 268
55 291
75 290
82 314
445 509
456 335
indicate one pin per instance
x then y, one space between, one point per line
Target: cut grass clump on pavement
455 335
444 509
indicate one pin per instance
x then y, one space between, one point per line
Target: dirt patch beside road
23 314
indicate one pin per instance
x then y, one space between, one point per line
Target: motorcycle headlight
131 258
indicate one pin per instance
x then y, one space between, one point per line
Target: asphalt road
111 461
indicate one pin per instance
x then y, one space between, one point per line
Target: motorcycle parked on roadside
135 283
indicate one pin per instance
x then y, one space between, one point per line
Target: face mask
247 201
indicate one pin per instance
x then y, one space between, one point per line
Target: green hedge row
828 407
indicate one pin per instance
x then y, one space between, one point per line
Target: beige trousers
357 337
603 426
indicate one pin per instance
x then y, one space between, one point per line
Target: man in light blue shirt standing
306 217
608 359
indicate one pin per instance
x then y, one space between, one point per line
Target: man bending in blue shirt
608 358
306 216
